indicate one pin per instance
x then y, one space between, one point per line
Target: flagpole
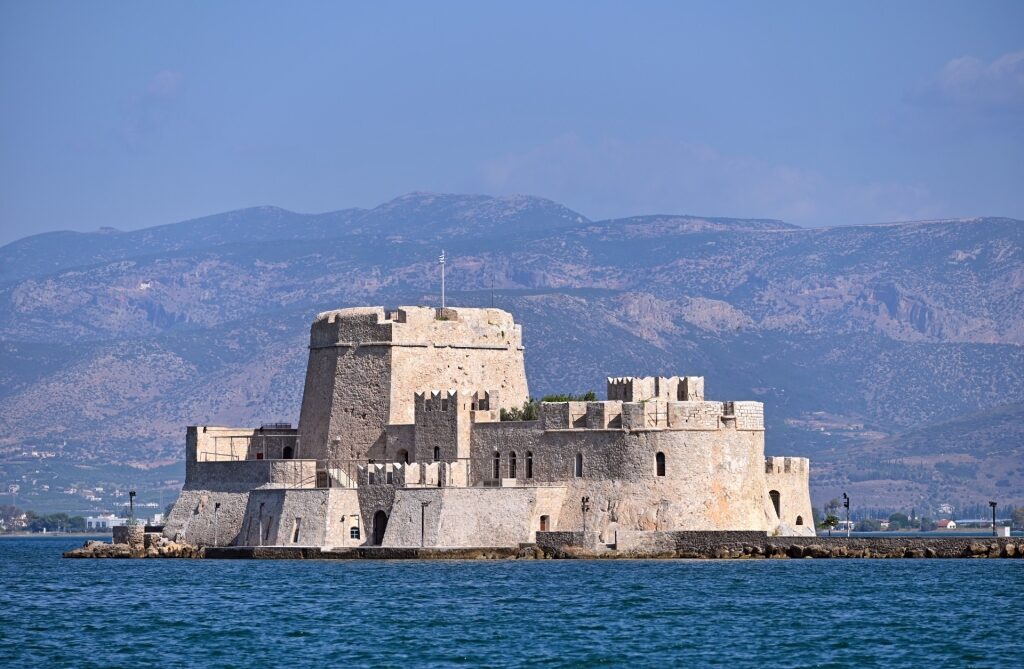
442 279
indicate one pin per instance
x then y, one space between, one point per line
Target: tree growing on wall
531 408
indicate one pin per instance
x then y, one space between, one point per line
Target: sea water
544 613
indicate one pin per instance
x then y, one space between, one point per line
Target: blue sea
674 613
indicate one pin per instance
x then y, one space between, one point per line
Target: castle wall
442 422
470 517
345 402
714 479
665 388
279 513
196 518
482 350
366 365
791 478
251 474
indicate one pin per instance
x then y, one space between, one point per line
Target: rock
817 551
914 553
977 549
795 551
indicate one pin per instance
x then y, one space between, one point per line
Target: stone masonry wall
713 480
790 477
366 365
470 517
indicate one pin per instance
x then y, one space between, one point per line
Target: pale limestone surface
400 442
367 364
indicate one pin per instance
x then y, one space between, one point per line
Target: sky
136 114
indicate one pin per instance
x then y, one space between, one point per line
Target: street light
131 506
423 521
846 503
216 508
585 506
993 505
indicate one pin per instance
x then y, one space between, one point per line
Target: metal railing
257 446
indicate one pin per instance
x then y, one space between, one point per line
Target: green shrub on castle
531 409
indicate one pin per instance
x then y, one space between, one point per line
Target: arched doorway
776 502
659 464
288 453
380 525
403 456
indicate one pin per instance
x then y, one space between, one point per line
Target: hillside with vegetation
893 355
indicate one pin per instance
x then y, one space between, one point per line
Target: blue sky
137 114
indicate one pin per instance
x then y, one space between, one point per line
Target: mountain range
891 354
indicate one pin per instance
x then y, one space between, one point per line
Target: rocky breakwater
136 545
755 545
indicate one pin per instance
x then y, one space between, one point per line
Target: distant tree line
870 520
12 521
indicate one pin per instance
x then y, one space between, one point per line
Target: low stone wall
573 545
696 543
732 545
552 541
895 547
367 553
131 535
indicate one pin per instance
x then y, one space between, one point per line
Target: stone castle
400 443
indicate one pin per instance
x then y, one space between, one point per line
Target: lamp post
993 505
423 522
259 536
846 503
585 506
216 509
131 506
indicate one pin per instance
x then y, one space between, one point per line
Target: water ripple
192 613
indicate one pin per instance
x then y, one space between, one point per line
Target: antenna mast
441 260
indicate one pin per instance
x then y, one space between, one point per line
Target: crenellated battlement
786 465
416 326
652 415
644 388
475 405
